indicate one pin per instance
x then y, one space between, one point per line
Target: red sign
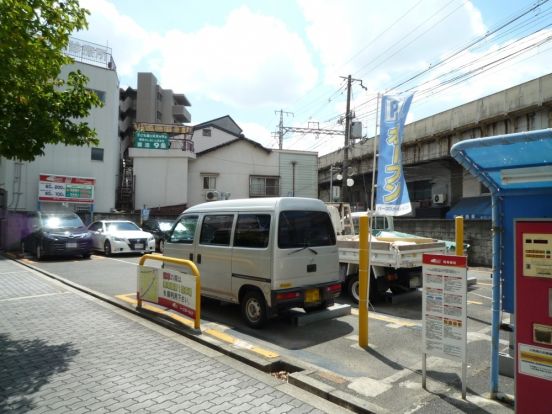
60 188
443 260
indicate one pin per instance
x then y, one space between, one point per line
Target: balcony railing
87 52
182 144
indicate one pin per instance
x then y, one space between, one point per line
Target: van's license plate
312 295
71 245
138 246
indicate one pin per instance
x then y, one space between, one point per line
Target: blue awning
472 208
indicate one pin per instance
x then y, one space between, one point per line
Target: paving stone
65 353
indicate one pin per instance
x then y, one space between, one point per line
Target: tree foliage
37 108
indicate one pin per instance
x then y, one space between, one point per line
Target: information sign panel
60 188
444 305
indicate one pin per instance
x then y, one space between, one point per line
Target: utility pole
348 118
281 127
344 192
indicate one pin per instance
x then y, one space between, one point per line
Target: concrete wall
161 177
71 160
477 233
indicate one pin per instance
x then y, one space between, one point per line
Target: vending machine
533 315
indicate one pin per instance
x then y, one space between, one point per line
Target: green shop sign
151 140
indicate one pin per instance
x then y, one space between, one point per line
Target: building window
206 132
264 186
419 190
209 182
99 94
97 154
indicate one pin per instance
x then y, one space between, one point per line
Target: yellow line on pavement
486 284
129 298
473 302
387 319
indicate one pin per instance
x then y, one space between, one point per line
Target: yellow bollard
459 230
364 280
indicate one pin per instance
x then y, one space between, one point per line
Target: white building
21 179
224 164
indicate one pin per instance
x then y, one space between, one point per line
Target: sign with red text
169 288
61 188
444 306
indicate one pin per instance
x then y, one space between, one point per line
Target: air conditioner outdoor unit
212 195
439 198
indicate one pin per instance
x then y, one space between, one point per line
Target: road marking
485 284
130 298
34 296
473 302
481 296
388 319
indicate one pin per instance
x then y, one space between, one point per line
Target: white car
120 236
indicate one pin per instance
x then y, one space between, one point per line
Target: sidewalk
65 352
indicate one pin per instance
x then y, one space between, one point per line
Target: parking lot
328 347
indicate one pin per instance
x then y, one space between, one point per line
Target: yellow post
364 280
459 230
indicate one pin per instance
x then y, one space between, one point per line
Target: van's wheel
161 245
253 308
107 248
38 252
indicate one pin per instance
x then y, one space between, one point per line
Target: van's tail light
288 295
334 288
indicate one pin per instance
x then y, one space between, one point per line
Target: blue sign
392 195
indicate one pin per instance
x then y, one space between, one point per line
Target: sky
250 59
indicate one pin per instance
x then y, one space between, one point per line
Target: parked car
159 228
56 234
120 236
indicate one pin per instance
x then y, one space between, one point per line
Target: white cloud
130 43
251 60
260 134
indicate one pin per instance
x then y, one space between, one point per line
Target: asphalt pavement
385 377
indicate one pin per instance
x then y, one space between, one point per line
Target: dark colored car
159 228
56 234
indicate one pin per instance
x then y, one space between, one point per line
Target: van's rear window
305 228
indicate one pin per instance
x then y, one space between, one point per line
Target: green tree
37 108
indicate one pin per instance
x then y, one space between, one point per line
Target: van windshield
305 228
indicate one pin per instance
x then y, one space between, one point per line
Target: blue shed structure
517 168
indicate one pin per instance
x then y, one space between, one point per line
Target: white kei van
267 254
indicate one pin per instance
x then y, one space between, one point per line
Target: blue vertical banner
392 195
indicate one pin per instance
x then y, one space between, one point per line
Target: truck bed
399 253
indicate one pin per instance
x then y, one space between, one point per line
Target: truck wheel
253 308
353 288
161 246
